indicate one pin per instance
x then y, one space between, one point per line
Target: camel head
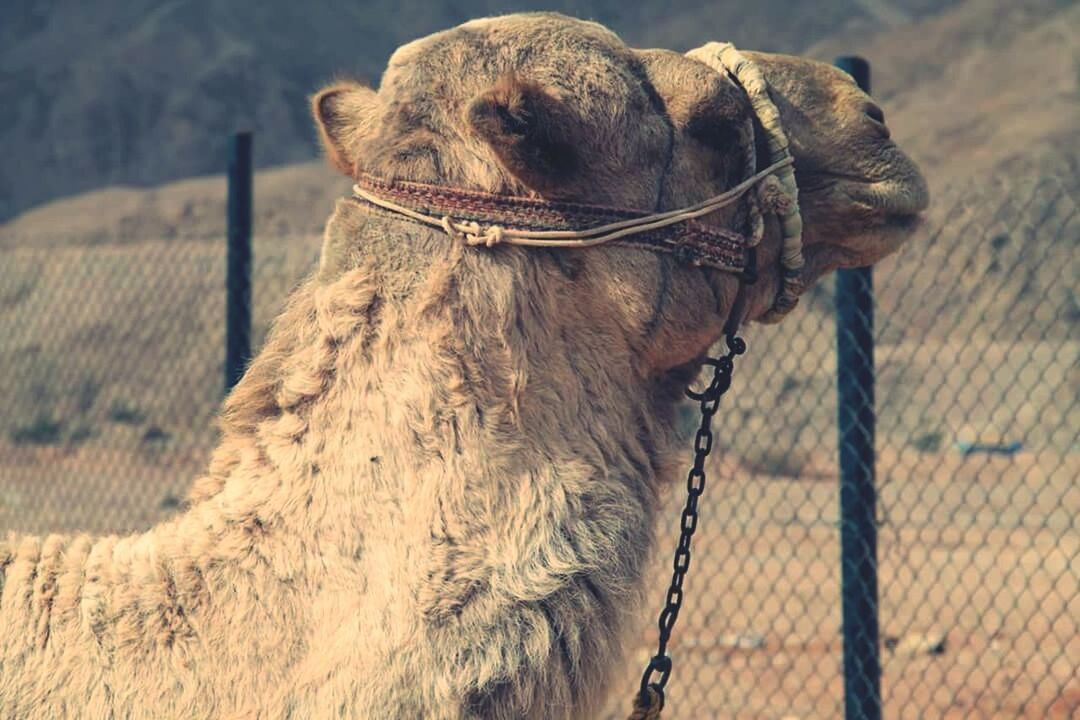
860 195
542 105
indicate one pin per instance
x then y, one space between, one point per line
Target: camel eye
876 114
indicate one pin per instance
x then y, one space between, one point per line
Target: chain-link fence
111 372
977 342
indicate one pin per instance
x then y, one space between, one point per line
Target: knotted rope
649 710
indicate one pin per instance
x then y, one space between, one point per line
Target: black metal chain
709 400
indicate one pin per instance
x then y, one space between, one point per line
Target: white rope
472 233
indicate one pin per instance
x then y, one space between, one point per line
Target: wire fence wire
977 342
111 372
111 363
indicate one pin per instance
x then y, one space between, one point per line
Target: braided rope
725 59
646 711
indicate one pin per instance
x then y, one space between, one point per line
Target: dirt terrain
980 555
980 607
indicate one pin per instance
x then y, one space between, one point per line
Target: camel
438 482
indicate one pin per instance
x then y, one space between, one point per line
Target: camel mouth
896 188
895 201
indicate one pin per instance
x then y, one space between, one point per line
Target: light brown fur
438 481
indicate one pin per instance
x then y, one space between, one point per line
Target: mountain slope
144 91
985 89
991 87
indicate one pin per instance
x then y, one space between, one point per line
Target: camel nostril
875 113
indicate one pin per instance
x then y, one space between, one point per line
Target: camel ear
528 129
346 114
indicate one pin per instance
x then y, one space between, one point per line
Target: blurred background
112 272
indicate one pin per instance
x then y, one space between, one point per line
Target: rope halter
487 219
725 59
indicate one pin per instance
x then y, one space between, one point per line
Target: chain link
709 401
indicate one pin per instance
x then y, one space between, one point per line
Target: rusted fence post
858 496
238 261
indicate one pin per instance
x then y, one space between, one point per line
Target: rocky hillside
986 90
139 92
989 88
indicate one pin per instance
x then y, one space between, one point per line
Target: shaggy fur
438 481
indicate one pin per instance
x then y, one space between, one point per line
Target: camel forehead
519 41
527 24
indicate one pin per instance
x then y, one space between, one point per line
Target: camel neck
407 363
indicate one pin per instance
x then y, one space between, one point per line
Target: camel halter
515 220
534 222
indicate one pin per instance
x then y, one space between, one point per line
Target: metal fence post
238 262
858 496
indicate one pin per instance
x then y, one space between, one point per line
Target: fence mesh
111 371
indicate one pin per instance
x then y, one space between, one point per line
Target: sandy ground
760 633
980 553
110 376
